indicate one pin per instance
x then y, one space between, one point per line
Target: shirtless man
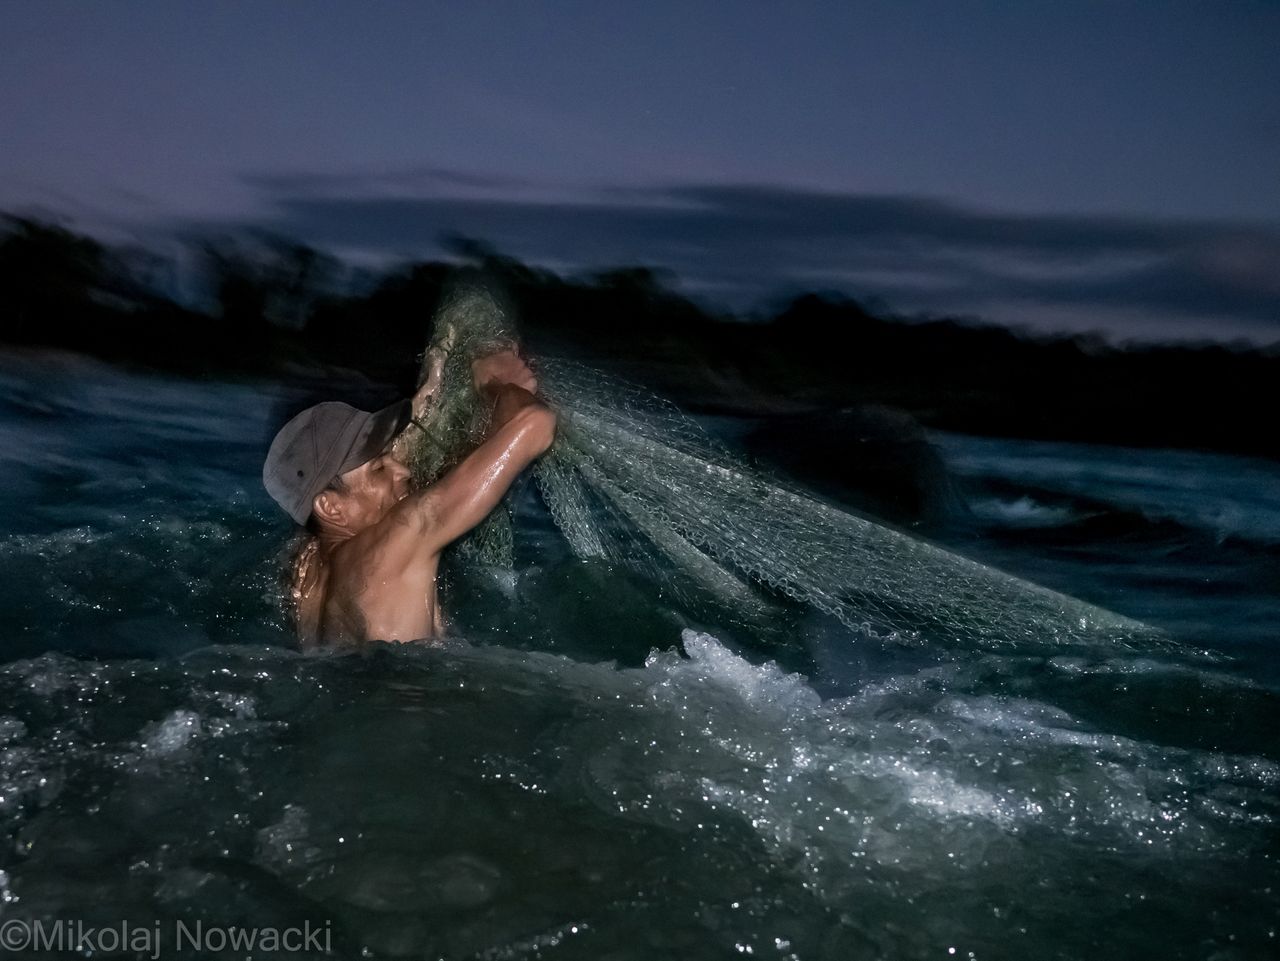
369 571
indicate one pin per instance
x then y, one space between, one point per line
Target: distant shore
283 311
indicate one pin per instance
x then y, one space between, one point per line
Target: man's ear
328 507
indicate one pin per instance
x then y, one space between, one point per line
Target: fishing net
634 482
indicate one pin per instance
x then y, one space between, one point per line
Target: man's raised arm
521 429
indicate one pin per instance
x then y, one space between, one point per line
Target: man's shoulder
382 552
372 588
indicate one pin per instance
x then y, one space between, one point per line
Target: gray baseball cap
322 442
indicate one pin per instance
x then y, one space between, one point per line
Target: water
584 772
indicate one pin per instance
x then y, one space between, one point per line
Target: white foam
886 773
1023 512
172 734
286 845
762 686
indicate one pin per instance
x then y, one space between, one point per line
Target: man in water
369 571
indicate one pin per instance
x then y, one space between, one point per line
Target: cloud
750 243
372 182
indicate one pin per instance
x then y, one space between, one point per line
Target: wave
484 801
1227 498
1022 511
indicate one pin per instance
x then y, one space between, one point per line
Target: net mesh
633 481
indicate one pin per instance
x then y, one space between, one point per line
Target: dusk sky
1081 166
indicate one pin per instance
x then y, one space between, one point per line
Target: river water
581 772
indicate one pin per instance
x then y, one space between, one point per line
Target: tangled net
634 482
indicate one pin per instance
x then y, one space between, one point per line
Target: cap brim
377 433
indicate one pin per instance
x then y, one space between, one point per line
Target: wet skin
371 572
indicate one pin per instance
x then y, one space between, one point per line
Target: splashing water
483 802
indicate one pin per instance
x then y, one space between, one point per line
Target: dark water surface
585 773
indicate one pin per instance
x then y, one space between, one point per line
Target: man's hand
501 369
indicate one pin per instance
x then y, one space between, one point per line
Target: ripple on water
456 801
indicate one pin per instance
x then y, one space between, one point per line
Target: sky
1109 166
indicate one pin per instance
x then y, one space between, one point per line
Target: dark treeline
277 308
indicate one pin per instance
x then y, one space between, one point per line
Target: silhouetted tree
48 279
275 300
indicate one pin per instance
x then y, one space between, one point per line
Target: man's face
373 489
